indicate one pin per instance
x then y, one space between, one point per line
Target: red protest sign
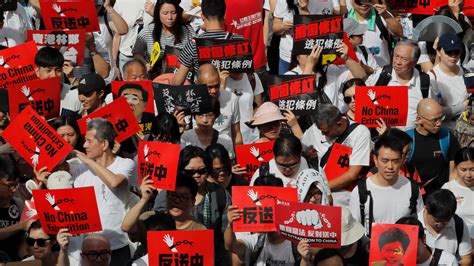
43 95
338 161
419 7
337 60
17 64
468 9
251 156
394 244
162 167
146 85
319 225
72 208
29 211
70 14
119 114
174 247
258 206
71 43
387 102
36 141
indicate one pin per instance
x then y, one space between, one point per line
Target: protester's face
465 171
213 84
219 172
205 120
42 244
135 101
96 252
68 134
406 152
168 15
356 40
437 224
135 72
270 130
388 163
431 121
331 131
94 148
197 169
180 202
314 196
393 253
49 72
449 59
90 101
7 189
402 59
288 165
363 10
302 58
349 94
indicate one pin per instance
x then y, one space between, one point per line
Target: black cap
89 83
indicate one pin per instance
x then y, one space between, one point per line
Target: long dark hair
66 120
159 26
292 6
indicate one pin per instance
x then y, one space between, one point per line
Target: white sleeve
419 206
354 205
372 79
361 150
126 168
250 241
281 9
258 85
254 177
465 246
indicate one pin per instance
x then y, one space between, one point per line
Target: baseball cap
89 83
352 230
450 42
266 113
352 27
60 180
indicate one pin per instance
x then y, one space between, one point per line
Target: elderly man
95 250
134 70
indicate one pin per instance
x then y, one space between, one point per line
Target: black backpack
386 76
257 250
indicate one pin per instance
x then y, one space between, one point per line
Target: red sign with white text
73 208
387 102
146 85
393 244
70 14
29 211
178 247
160 161
43 95
251 156
419 7
319 225
258 206
17 64
70 43
119 114
35 140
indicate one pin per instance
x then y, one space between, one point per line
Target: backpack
365 53
386 76
444 140
257 250
384 33
364 194
459 228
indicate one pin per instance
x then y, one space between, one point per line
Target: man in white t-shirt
109 175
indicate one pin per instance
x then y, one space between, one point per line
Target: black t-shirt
10 216
429 161
361 256
236 180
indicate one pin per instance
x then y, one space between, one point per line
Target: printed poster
252 156
70 14
70 43
17 64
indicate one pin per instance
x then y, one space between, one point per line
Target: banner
192 99
160 161
44 96
70 14
393 244
171 62
319 225
146 85
320 30
17 64
8 5
181 247
29 211
72 208
295 93
419 7
258 206
387 102
232 55
35 140
70 43
119 114
251 156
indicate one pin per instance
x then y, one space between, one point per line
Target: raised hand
254 196
256 153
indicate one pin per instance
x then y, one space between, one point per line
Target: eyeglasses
288 166
217 171
132 99
11 186
93 256
179 197
435 121
41 242
349 99
192 172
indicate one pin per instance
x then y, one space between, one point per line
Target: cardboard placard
70 14
335 59
171 62
9 5
72 208
173 247
119 114
297 93
321 30
387 102
36 141
232 55
338 161
160 161
17 64
258 205
70 43
419 7
42 95
393 244
319 225
251 156
146 85
191 99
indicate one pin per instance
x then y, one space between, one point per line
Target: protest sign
319 225
119 114
295 93
393 244
160 161
70 14
171 62
8 5
29 211
335 59
252 156
181 247
35 140
419 7
338 161
70 43
43 95
387 102
145 85
258 206
232 55
17 64
71 208
321 30
192 99
468 9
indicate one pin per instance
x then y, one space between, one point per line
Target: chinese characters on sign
251 156
232 55
321 30
70 43
192 99
70 14
17 64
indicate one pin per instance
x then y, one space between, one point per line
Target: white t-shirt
280 254
246 100
189 137
273 169
229 113
322 7
70 99
371 62
286 44
375 45
445 259
465 198
111 202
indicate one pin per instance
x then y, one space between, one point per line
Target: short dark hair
215 108
165 127
66 120
213 9
412 220
218 151
8 170
37 225
326 253
49 57
188 153
393 235
352 82
400 135
189 182
441 204
135 87
268 181
287 145
463 155
388 142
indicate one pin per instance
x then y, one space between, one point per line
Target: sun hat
352 230
266 113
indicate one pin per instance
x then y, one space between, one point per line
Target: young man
91 90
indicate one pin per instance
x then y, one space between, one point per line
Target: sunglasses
348 99
217 171
93 256
41 242
192 172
